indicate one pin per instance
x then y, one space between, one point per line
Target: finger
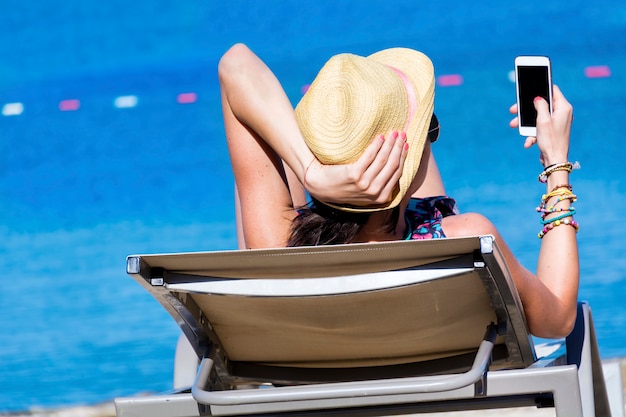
557 95
514 123
530 141
543 111
365 169
561 105
370 153
382 158
541 105
390 187
394 164
385 166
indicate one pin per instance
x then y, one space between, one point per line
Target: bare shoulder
468 224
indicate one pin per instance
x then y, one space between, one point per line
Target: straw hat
354 99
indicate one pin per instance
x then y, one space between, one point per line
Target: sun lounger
363 329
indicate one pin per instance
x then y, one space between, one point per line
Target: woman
264 134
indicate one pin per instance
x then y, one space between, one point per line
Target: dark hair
319 224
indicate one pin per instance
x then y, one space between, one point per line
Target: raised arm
263 197
550 295
262 132
550 298
258 101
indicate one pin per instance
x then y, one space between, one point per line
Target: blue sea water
81 190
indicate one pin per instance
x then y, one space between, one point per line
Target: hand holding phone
533 78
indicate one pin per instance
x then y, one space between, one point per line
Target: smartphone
533 78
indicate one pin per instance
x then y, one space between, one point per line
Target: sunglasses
433 129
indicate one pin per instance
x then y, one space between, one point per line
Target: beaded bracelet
544 209
544 201
566 166
557 193
555 219
561 192
548 227
568 186
552 209
573 198
563 166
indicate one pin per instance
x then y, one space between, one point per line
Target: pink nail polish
537 99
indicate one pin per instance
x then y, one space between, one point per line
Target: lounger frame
502 371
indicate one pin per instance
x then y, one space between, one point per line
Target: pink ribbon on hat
410 92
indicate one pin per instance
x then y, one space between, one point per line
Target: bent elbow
568 324
564 329
232 60
557 327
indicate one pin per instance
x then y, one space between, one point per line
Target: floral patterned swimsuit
424 216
